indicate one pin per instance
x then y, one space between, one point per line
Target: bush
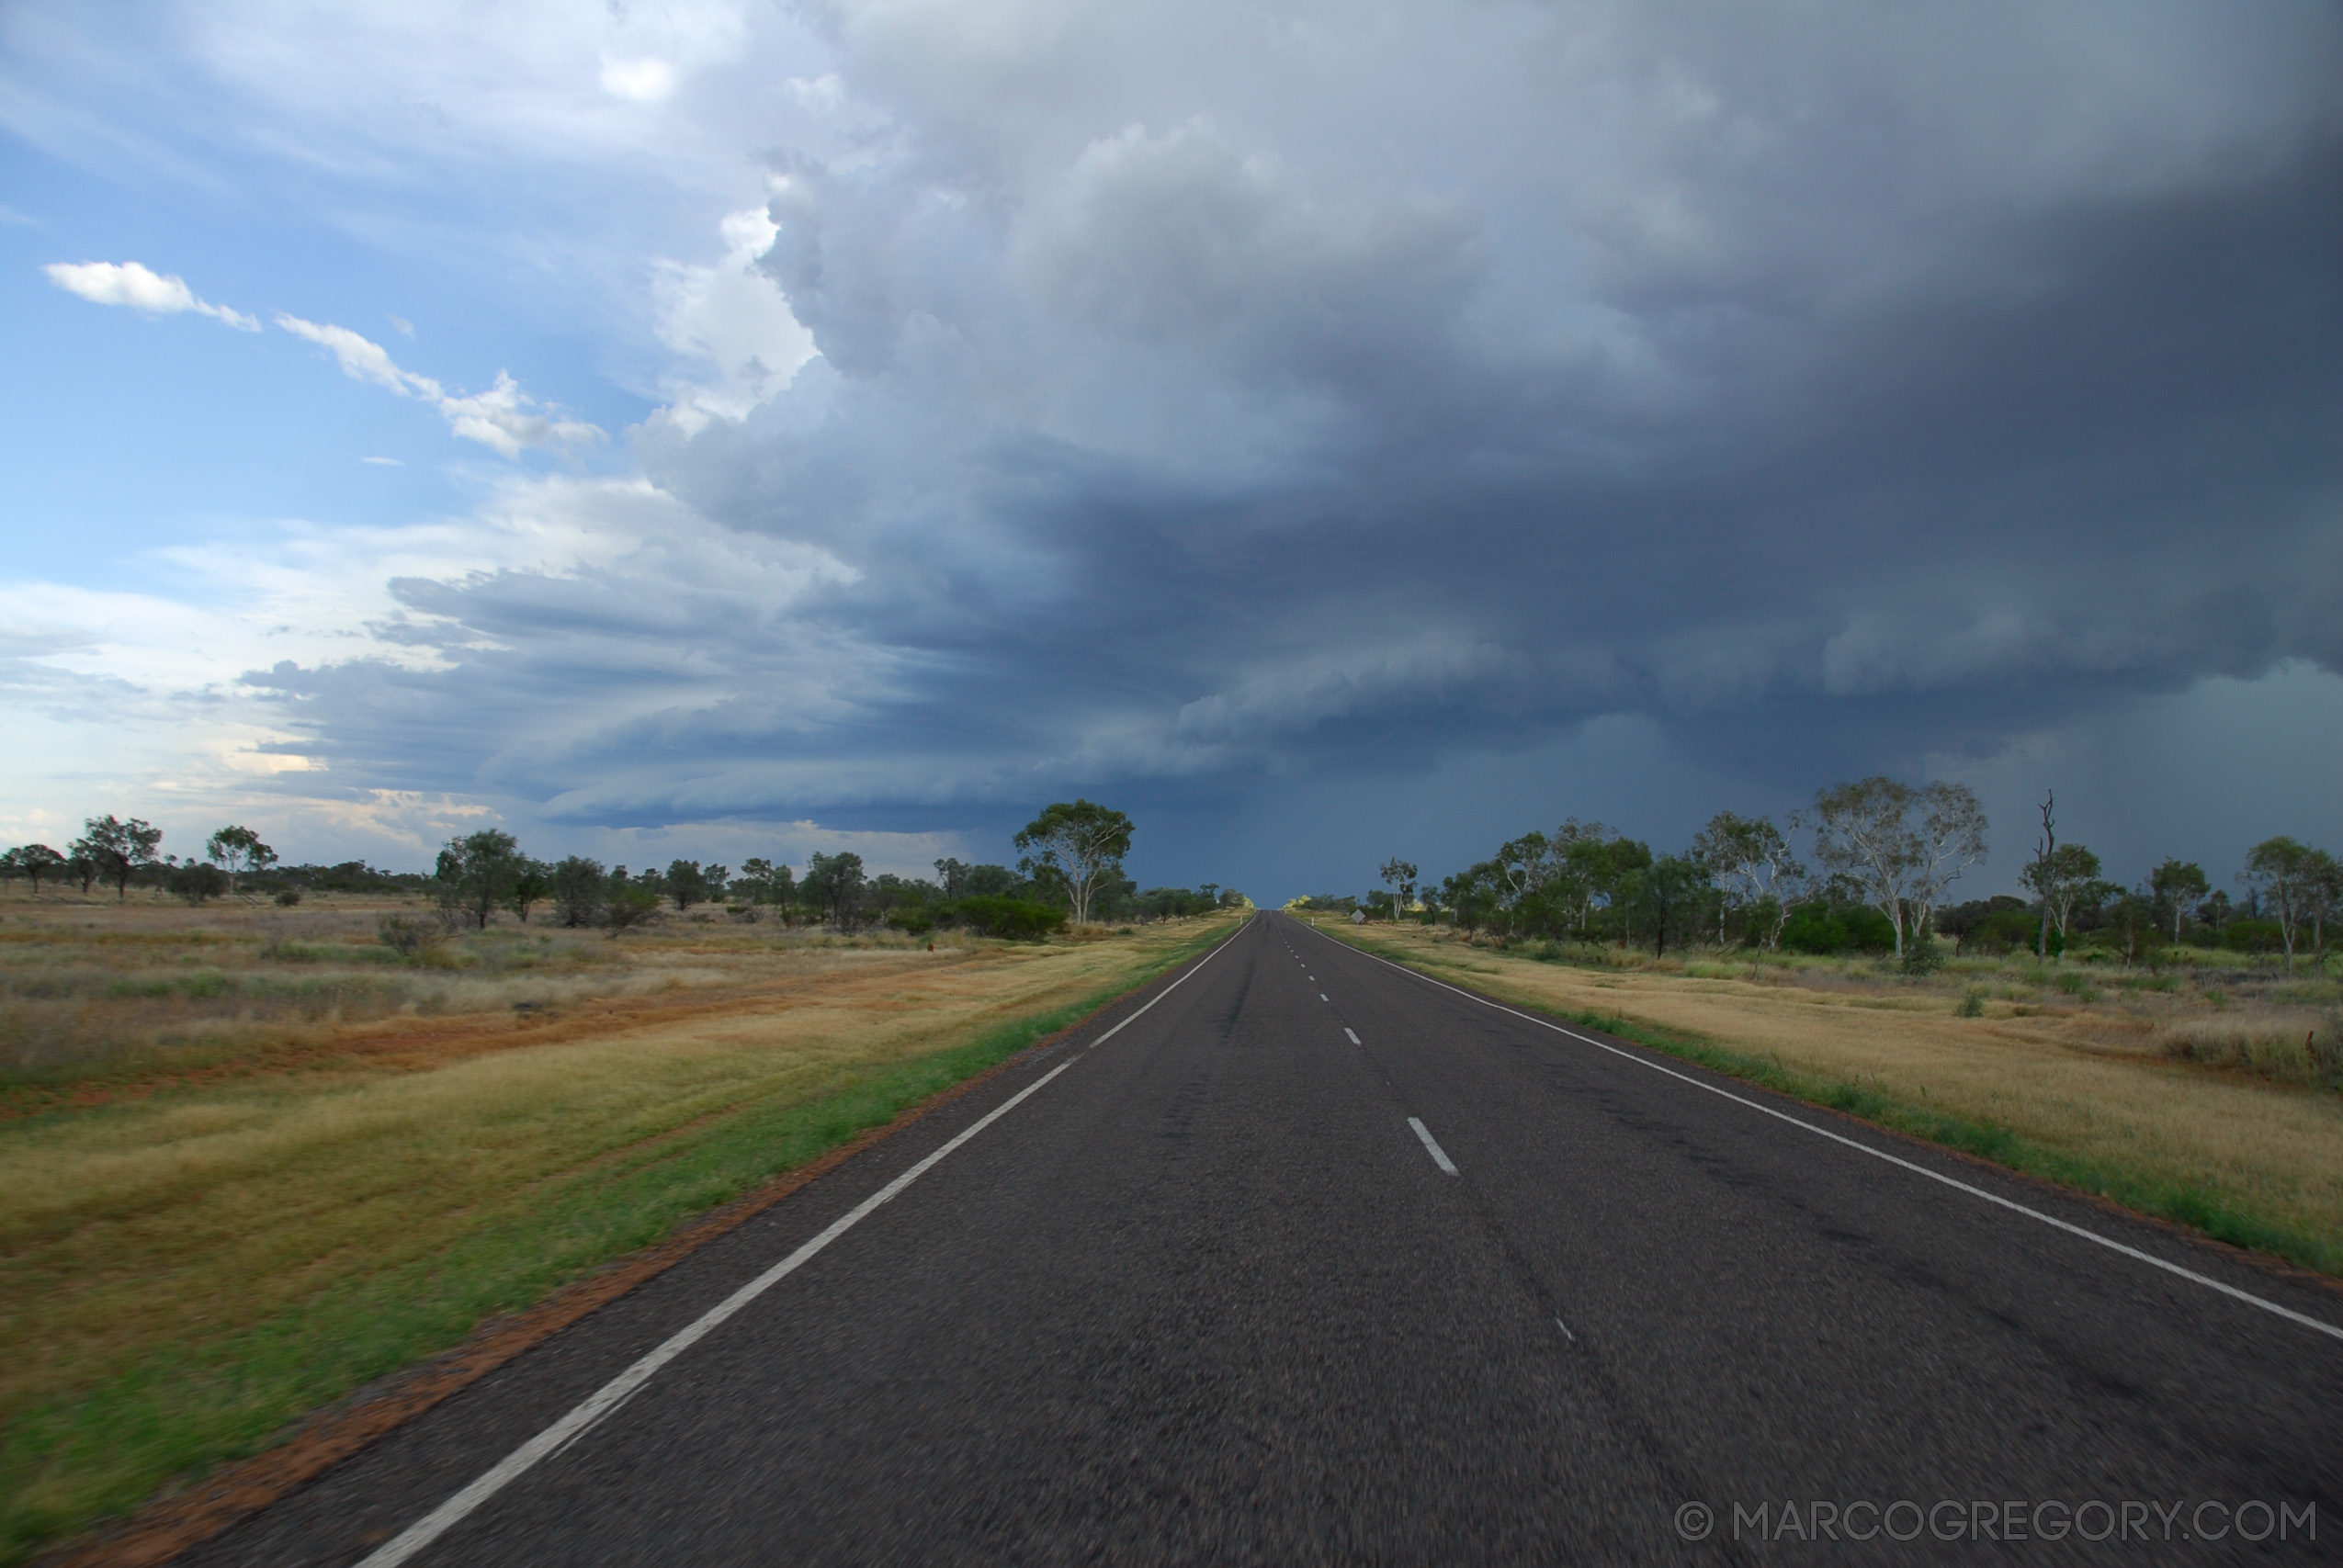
912 919
629 905
196 881
989 914
2252 936
2006 931
288 898
408 937
1820 929
2076 986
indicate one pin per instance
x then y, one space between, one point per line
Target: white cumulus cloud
731 318
128 283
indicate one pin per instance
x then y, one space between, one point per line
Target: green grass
169 1417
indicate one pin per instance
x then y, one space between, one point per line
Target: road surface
1315 1260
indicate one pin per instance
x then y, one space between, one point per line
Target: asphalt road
1211 1293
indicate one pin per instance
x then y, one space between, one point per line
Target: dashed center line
1439 1155
1354 1039
1321 996
2192 1275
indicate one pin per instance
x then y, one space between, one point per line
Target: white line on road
1321 996
606 1400
1565 1331
1354 1039
1439 1155
2052 1220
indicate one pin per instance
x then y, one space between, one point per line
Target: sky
1325 432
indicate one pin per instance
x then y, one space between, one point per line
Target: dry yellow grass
168 1206
93 992
2094 1086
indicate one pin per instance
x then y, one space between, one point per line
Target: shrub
1822 929
196 881
1971 1005
2006 931
2252 936
912 919
288 898
629 905
2076 986
408 937
991 914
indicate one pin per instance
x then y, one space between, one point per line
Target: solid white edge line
1431 1146
2052 1220
598 1406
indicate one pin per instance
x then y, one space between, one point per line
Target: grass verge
181 1407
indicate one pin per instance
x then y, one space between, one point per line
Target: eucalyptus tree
2283 874
1948 839
2323 888
117 850
1518 868
766 883
1861 837
239 853
2176 886
1402 877
2131 914
834 884
1750 859
475 874
1669 893
37 861
686 882
2065 878
579 890
531 885
1900 847
1587 860
1077 841
2045 847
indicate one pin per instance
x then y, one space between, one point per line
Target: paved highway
1315 1260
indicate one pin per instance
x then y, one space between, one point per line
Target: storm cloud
1207 394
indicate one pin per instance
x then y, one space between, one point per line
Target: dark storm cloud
1207 394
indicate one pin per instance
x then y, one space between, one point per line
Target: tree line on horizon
1070 868
1867 868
